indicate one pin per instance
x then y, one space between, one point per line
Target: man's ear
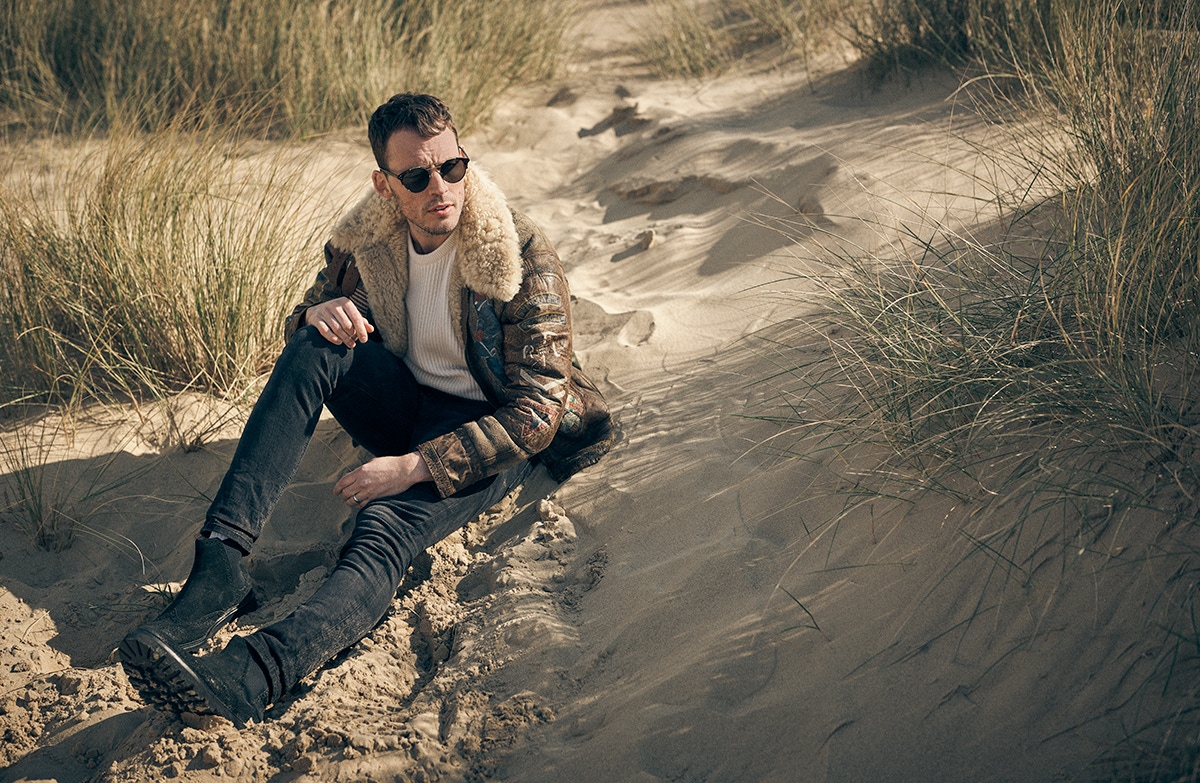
379 180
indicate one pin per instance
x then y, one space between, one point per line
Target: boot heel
230 683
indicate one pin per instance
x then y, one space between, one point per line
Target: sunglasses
417 178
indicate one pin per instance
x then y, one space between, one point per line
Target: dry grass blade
48 498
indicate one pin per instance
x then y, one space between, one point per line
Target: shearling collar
488 258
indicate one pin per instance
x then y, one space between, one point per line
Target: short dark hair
425 114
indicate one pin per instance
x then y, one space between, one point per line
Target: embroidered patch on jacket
541 353
555 388
542 301
533 322
572 420
537 419
489 336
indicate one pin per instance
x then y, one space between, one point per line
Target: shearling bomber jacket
510 294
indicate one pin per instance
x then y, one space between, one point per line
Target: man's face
433 213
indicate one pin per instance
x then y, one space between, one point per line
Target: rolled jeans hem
234 534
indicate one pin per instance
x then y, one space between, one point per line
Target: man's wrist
420 470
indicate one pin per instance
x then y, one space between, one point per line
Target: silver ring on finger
355 497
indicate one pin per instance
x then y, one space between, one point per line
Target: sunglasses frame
442 168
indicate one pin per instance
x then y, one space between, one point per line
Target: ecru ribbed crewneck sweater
435 355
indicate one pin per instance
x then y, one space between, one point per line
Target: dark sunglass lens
454 170
416 180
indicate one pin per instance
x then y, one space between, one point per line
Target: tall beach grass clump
48 495
151 264
1041 369
1077 321
990 35
298 67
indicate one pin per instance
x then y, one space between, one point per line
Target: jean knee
380 548
308 341
307 350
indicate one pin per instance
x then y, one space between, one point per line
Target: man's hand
381 477
339 322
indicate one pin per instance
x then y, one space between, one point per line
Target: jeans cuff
237 535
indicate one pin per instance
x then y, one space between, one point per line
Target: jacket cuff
441 478
293 323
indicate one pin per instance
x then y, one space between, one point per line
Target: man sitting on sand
439 336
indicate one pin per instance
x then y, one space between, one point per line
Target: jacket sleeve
328 285
536 344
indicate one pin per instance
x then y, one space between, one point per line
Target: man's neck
443 250
424 242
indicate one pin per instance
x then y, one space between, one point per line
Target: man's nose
436 183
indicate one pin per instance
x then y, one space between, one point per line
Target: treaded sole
165 680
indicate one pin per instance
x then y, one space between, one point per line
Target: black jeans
375 398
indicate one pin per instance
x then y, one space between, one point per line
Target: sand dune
699 607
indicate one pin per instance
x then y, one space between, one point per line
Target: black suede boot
231 683
216 591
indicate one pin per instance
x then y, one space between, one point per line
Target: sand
701 606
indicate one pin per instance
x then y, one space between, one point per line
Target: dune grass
140 266
683 42
298 68
151 264
31 498
900 34
48 494
691 39
1077 318
990 35
1046 362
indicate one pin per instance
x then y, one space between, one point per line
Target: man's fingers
362 327
354 496
327 331
339 322
344 325
351 489
336 336
341 332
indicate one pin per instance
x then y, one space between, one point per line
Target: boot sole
164 678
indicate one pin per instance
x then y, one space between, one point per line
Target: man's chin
440 228
429 224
